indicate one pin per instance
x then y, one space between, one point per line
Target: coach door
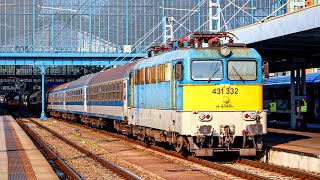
131 93
124 98
85 100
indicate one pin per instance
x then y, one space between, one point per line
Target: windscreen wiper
213 74
238 74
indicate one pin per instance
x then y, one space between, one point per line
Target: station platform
294 149
19 157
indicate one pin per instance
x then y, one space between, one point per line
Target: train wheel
180 144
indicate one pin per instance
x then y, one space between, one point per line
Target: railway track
80 158
242 168
278 169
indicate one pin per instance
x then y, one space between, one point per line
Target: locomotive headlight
202 116
253 115
225 51
249 116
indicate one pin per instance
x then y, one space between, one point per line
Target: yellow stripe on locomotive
222 97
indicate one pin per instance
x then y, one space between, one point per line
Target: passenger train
12 101
198 99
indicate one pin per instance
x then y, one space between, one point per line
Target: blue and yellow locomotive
200 99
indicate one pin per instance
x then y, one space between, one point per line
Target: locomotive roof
82 81
113 73
61 87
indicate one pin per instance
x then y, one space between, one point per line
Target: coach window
117 91
108 92
147 75
121 91
103 92
100 92
97 93
142 76
160 73
167 72
78 95
89 95
136 77
153 74
111 92
93 93
81 92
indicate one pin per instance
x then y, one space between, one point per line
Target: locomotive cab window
206 70
242 70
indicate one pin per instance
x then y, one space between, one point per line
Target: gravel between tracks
86 167
90 139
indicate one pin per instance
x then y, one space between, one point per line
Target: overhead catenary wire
192 12
135 46
68 22
230 2
235 14
187 14
154 5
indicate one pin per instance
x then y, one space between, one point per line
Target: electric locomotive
199 99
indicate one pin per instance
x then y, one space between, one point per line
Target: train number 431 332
225 91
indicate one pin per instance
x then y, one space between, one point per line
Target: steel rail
110 165
213 165
278 169
68 171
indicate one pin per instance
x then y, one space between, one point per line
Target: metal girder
63 59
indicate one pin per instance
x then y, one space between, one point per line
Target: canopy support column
298 88
43 113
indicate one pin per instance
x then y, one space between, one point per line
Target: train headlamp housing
225 51
205 117
249 116
201 116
